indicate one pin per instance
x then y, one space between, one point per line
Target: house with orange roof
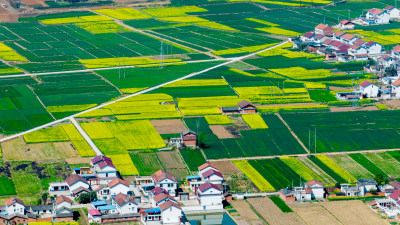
377 16
396 88
369 89
396 52
317 189
165 180
324 30
394 13
346 25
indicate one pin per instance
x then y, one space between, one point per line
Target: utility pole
162 53
119 67
315 140
123 64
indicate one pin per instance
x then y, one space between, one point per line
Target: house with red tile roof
378 16
212 176
76 183
394 13
94 216
124 204
317 189
166 181
324 30
209 194
357 50
373 48
15 205
307 36
335 45
170 213
396 90
104 170
348 38
369 89
396 52
338 34
346 25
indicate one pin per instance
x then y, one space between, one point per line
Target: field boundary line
332 213
105 68
85 135
143 91
291 131
256 212
41 101
107 81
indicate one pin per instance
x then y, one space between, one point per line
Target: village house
348 39
63 209
349 191
369 89
115 187
246 107
357 50
386 61
15 205
124 204
207 173
394 13
77 185
189 138
396 52
209 194
170 212
160 198
373 48
58 187
319 38
94 216
307 37
338 35
317 188
366 185
359 42
335 45
165 180
396 88
377 16
287 195
324 30
104 170
345 25
212 176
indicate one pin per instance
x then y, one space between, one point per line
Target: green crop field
193 158
146 163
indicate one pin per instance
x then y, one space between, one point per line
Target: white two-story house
124 204
15 205
396 88
373 48
369 89
366 185
104 169
209 194
396 52
165 180
378 16
317 188
77 184
170 212
394 13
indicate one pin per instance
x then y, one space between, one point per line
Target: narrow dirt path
294 135
33 91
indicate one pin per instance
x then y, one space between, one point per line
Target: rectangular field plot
276 140
173 163
385 162
355 169
146 163
349 131
193 158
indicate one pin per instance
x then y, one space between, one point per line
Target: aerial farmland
270 92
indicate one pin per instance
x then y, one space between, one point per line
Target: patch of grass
26 182
280 203
7 186
193 158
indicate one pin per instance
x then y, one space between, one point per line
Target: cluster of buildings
16 212
339 45
390 205
379 16
315 189
244 107
158 197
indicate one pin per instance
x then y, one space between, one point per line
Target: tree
381 179
87 197
44 197
390 71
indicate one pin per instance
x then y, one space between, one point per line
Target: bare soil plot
171 160
77 160
352 109
272 214
34 2
221 131
173 126
243 208
395 104
18 150
227 167
353 212
314 214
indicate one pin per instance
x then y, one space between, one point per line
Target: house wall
189 143
371 91
168 185
78 185
375 49
119 188
318 193
210 199
171 215
64 219
214 179
127 208
15 208
120 219
394 13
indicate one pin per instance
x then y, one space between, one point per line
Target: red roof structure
370 43
62 199
75 178
396 49
117 181
122 199
209 173
395 195
161 175
168 204
366 83
205 165
308 35
13 200
375 11
204 187
396 84
348 37
94 212
313 182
